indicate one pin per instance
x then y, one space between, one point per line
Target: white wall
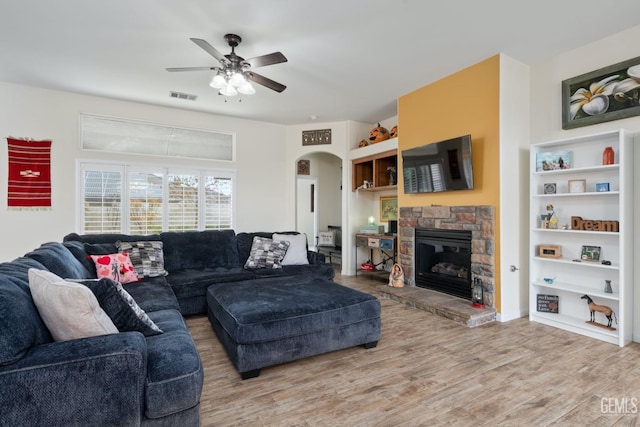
546 113
514 188
45 114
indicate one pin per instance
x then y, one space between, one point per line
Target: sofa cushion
121 307
192 282
153 294
59 260
323 270
199 249
109 238
147 257
116 266
174 371
297 251
266 253
19 269
20 324
70 310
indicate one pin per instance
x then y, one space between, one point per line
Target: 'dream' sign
577 223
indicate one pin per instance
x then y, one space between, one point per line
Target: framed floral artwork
388 208
606 94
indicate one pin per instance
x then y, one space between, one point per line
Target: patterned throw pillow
147 257
327 238
120 306
266 253
117 267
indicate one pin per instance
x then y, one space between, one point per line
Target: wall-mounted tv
440 166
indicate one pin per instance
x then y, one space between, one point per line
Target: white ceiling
348 59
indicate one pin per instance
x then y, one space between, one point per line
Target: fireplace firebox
443 261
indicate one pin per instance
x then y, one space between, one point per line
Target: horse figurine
593 307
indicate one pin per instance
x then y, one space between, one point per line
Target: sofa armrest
315 257
90 381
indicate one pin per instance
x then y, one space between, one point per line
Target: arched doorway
318 195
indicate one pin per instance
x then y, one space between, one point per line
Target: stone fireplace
442 266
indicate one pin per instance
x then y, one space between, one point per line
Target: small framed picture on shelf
602 187
547 303
590 253
553 160
577 185
550 188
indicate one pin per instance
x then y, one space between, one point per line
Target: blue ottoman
265 322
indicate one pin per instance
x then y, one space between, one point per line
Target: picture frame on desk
388 208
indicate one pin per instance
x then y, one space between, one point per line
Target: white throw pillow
327 238
70 310
297 252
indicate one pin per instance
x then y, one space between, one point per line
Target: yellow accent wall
466 102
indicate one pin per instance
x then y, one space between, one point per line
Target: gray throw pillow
147 257
266 253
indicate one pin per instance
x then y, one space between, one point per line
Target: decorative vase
608 156
607 287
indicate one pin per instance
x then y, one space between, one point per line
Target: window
135 137
150 199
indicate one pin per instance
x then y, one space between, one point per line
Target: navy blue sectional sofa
123 379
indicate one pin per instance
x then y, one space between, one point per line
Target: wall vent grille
182 95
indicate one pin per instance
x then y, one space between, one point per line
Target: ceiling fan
235 73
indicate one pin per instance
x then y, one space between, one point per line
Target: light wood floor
429 370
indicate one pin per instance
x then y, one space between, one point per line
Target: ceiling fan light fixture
237 79
218 82
246 89
228 90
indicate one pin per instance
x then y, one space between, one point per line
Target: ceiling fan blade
270 59
211 50
262 80
190 69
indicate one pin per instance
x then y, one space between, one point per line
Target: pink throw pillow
116 267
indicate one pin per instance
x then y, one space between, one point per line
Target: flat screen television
440 166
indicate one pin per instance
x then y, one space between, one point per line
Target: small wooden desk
385 244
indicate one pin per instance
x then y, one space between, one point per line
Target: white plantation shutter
218 203
145 202
183 202
127 199
102 201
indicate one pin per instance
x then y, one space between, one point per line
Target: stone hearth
443 305
477 219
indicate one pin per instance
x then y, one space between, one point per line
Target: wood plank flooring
428 370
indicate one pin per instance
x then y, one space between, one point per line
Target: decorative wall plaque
316 137
304 167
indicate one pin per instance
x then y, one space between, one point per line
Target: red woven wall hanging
29 174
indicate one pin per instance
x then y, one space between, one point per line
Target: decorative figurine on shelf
396 277
393 133
392 175
607 287
363 143
378 134
552 219
593 307
365 184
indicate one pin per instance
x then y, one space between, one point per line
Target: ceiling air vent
181 95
